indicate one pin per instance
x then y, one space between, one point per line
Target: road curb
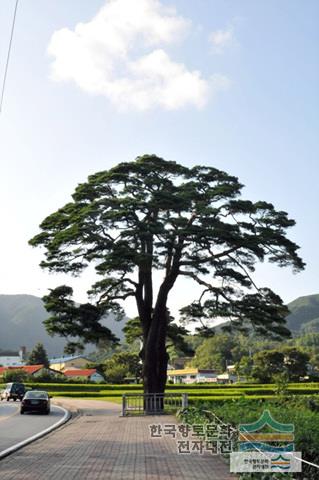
14 448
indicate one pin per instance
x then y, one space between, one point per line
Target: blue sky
232 84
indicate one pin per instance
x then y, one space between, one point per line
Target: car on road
13 390
35 401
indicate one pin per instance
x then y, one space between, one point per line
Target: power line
8 56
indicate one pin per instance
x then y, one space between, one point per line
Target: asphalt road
15 428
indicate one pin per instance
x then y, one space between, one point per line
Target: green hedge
96 395
196 386
195 391
90 387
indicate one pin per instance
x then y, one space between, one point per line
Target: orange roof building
86 373
33 370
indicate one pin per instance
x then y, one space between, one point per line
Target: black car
35 401
13 390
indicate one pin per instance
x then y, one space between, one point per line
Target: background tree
314 361
214 352
267 364
281 381
15 375
152 214
121 365
133 332
308 342
295 362
244 367
288 360
116 374
38 356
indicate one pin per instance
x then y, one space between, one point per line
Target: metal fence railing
152 403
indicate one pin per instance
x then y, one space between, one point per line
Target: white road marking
19 445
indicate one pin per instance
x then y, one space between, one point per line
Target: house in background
69 362
199 375
14 360
85 374
192 375
33 370
39 370
226 378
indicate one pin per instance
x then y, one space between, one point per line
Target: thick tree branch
211 257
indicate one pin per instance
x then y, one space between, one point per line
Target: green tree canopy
121 365
71 320
116 374
267 364
295 362
308 340
289 360
214 352
244 367
15 375
152 214
38 356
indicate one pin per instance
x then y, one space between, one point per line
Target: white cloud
221 39
121 55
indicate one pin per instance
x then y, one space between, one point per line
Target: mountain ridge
21 324
22 316
304 314
303 317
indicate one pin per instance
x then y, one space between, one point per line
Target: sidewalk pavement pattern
98 444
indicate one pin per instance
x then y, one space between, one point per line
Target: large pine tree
155 215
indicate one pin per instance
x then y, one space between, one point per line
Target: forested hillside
21 318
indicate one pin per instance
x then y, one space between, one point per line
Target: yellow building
69 362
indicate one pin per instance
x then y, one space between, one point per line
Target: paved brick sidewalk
98 444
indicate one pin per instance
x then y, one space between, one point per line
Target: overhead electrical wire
8 56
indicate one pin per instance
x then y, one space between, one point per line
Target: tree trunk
155 362
155 370
155 331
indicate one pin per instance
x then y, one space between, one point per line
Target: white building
192 375
227 378
11 361
14 360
